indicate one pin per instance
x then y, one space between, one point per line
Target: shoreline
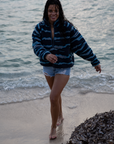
29 122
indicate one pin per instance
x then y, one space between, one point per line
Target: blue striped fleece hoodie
43 44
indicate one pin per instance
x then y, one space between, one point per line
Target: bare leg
50 81
60 117
56 84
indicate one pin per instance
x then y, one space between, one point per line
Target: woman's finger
51 58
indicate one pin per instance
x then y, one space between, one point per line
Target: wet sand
29 122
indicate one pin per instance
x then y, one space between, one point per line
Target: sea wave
37 88
96 83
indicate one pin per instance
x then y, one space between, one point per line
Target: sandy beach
29 122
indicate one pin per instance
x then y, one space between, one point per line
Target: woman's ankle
60 116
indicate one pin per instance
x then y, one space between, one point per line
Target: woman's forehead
53 6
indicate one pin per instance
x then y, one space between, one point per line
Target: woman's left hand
98 68
51 58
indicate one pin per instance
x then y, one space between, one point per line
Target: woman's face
53 13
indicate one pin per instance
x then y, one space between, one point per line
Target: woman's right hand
51 58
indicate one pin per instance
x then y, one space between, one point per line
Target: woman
55 40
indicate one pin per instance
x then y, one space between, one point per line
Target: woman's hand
51 58
98 68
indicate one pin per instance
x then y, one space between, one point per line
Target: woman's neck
51 24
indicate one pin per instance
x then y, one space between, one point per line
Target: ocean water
19 66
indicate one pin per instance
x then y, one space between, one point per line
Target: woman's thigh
51 73
50 81
60 81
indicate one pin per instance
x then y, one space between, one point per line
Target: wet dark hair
61 13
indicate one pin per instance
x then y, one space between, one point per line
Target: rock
96 130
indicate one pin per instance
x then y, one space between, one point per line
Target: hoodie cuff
95 63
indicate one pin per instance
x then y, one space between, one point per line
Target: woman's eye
50 11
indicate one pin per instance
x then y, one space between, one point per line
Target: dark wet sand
29 122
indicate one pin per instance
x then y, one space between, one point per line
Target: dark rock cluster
96 130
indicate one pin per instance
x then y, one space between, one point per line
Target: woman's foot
59 121
53 134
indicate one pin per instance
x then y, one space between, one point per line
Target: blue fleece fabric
63 48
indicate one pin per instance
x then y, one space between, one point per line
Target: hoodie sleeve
38 48
80 47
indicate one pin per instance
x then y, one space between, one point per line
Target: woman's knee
54 99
